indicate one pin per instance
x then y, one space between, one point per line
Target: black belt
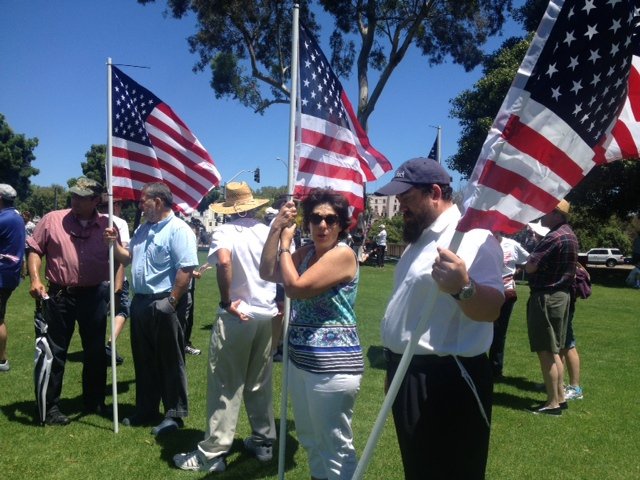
419 360
153 296
55 289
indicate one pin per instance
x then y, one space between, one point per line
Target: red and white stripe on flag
624 140
152 144
332 148
556 117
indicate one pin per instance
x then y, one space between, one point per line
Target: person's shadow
25 412
376 358
516 402
239 467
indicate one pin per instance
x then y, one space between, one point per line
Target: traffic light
256 175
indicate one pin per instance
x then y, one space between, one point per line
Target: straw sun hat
563 207
238 199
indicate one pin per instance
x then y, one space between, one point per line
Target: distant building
383 207
208 218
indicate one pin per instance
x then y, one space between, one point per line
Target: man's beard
414 225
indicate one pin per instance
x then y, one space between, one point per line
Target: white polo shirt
123 228
448 330
245 239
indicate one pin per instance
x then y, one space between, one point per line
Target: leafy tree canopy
594 232
95 166
16 155
246 44
42 200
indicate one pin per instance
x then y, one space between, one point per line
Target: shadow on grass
521 383
517 402
514 402
26 412
240 463
376 360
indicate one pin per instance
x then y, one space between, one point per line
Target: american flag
434 151
557 116
152 144
332 150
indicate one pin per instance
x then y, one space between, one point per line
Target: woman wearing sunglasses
326 363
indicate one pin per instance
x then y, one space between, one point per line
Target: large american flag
332 148
152 144
557 117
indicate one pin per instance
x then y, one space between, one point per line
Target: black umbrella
43 359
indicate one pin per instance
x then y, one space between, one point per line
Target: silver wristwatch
465 292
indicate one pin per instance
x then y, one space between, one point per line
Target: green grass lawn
598 438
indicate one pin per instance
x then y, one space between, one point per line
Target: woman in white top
514 255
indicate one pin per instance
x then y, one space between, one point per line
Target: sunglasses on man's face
330 220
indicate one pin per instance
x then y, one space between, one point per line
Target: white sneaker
191 350
573 393
196 462
262 451
4 366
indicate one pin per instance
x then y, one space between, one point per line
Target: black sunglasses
330 220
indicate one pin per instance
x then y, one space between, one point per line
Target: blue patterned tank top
323 337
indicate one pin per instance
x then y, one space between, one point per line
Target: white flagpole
282 440
400 372
112 304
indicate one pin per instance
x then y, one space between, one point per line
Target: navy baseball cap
417 171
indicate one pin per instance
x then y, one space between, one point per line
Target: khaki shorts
547 318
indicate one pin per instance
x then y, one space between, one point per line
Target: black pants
500 326
441 432
186 311
157 345
87 306
380 249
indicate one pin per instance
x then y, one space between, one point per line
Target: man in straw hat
551 268
240 359
163 255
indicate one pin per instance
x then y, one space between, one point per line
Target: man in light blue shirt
163 254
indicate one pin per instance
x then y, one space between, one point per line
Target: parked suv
607 256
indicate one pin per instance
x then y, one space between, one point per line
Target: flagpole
398 377
112 304
282 445
439 140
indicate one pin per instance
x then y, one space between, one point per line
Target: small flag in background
333 150
152 144
553 124
433 154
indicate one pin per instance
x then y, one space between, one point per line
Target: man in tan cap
240 360
552 269
77 264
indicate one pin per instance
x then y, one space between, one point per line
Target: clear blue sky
53 87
